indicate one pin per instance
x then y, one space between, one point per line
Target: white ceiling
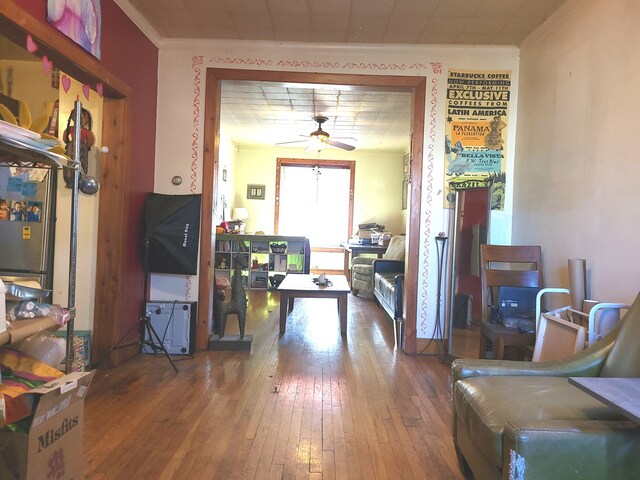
486 22
265 113
262 113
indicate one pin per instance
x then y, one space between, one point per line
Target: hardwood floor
466 342
310 404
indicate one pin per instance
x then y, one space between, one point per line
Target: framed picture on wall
255 192
80 21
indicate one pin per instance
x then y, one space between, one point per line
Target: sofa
524 420
362 267
388 284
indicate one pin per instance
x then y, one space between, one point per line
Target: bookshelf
264 259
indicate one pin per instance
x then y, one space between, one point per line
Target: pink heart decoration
100 89
31 45
86 90
47 64
66 83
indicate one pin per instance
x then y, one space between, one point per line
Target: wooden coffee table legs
286 306
342 312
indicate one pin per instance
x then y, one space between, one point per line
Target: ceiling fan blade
341 145
319 139
303 138
292 141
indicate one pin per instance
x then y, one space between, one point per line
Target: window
315 200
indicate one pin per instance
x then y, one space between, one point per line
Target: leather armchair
523 420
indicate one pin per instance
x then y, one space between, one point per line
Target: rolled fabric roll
577 281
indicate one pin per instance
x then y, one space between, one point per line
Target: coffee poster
477 115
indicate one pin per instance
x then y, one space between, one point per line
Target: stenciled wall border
434 68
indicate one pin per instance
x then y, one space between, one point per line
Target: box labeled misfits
49 443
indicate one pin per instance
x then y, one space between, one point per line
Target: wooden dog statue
238 302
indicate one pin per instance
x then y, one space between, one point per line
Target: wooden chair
506 266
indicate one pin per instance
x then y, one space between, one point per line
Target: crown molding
135 16
265 47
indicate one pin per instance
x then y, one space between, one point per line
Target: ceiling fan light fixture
319 139
316 143
320 134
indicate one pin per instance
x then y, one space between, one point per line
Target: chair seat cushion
362 270
485 404
364 287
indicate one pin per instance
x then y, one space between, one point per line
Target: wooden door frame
112 238
214 78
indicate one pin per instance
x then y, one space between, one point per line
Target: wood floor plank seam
310 404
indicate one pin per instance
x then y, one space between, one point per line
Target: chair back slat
513 278
508 266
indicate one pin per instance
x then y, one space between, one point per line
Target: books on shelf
260 257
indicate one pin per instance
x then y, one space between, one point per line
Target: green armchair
524 420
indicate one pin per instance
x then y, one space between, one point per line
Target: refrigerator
27 220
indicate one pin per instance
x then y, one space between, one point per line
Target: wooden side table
501 337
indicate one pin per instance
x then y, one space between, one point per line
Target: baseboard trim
431 346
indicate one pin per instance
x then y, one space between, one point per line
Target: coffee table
619 393
298 285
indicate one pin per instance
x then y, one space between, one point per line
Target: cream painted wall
577 167
228 154
182 70
30 84
377 189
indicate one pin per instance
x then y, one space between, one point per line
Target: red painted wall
133 58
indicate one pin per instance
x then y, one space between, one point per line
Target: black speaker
171 233
461 310
175 324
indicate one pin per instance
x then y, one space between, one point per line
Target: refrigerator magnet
14 184
29 189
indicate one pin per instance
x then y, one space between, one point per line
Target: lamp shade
240 214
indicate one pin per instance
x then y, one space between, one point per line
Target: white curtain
314 202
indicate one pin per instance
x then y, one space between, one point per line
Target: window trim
309 162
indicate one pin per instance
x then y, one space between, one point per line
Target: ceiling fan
318 139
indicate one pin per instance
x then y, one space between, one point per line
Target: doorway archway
214 79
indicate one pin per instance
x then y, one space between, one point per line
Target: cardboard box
52 445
